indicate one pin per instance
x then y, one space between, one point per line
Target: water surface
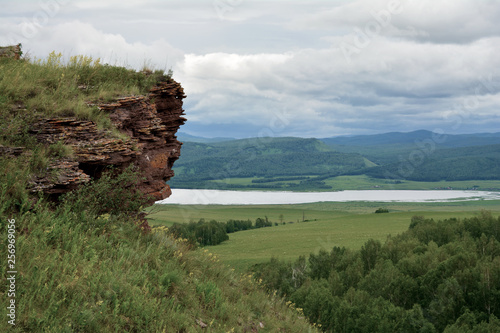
217 197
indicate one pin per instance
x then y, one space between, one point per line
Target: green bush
59 149
201 232
113 193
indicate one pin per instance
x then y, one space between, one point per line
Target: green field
364 182
348 224
358 182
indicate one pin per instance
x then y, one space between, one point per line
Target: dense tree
201 232
439 276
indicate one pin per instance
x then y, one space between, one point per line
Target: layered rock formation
13 51
150 124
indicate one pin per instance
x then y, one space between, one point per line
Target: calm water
216 197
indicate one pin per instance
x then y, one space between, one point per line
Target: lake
217 197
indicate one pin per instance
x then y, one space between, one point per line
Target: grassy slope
111 278
330 224
82 272
200 164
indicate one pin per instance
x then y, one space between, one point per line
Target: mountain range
306 163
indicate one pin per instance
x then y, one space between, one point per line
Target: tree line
438 276
213 232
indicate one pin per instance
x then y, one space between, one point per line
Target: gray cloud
304 68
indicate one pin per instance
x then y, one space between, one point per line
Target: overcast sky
291 68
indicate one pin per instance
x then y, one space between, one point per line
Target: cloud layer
311 69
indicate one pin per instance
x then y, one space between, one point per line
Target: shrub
114 193
201 232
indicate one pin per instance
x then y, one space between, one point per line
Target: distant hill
390 147
400 138
184 137
203 163
464 163
290 163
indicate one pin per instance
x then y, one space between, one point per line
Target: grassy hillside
466 163
89 263
276 160
310 165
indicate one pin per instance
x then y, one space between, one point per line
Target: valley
415 160
308 228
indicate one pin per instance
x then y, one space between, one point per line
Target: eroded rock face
150 122
65 175
13 51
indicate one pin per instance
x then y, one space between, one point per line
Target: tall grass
52 87
80 270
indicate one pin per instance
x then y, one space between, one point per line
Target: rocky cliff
13 51
149 123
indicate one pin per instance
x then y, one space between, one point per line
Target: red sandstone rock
151 123
68 177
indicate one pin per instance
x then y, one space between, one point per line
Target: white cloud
390 83
75 37
320 67
444 21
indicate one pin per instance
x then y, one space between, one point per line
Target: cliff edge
149 122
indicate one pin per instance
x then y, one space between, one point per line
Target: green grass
52 87
359 182
348 224
78 271
363 182
366 183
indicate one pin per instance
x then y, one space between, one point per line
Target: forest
305 164
438 276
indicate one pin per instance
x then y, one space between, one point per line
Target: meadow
339 183
309 227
